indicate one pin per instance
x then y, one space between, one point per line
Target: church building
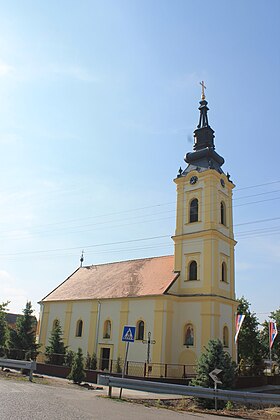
177 301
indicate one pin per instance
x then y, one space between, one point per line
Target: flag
272 333
238 322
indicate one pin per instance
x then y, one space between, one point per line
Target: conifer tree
55 351
4 331
93 363
77 374
23 337
249 346
69 357
88 361
214 357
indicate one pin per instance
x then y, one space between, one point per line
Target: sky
98 103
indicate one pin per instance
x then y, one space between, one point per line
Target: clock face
193 180
222 183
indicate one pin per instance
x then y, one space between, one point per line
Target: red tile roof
134 278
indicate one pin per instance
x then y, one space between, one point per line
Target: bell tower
204 241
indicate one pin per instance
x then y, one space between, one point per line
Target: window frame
224 272
107 329
225 336
79 328
193 210
140 333
223 218
192 275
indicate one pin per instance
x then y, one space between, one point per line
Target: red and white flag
272 333
238 322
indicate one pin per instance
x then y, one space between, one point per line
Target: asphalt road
27 401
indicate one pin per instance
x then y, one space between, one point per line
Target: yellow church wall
168 329
92 327
56 311
44 318
67 322
227 315
110 310
80 311
142 309
185 312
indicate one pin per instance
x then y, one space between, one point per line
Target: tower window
193 270
223 213
194 210
140 330
224 272
107 329
79 328
225 336
189 335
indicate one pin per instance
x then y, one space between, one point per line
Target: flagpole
269 343
236 340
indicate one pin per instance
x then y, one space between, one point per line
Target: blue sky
98 103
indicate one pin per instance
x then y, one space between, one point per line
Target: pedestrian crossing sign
128 333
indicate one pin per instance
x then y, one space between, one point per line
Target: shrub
77 374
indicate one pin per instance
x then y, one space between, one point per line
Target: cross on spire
82 259
202 90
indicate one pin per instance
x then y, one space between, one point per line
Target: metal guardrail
19 364
194 391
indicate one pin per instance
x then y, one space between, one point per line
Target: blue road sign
128 333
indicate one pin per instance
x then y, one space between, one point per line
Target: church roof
133 278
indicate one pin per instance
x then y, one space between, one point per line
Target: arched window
140 326
223 213
225 336
224 272
193 270
107 329
79 328
189 335
194 210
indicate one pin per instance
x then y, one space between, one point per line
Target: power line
156 205
74 228
248 233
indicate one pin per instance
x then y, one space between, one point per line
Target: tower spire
203 135
204 156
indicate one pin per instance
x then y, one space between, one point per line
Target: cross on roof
203 87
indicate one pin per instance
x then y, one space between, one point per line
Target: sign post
214 376
149 342
127 336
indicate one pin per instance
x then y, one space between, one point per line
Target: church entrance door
105 358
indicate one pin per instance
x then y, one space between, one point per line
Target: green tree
264 335
93 363
77 374
69 357
23 337
55 351
4 330
214 357
249 345
119 365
